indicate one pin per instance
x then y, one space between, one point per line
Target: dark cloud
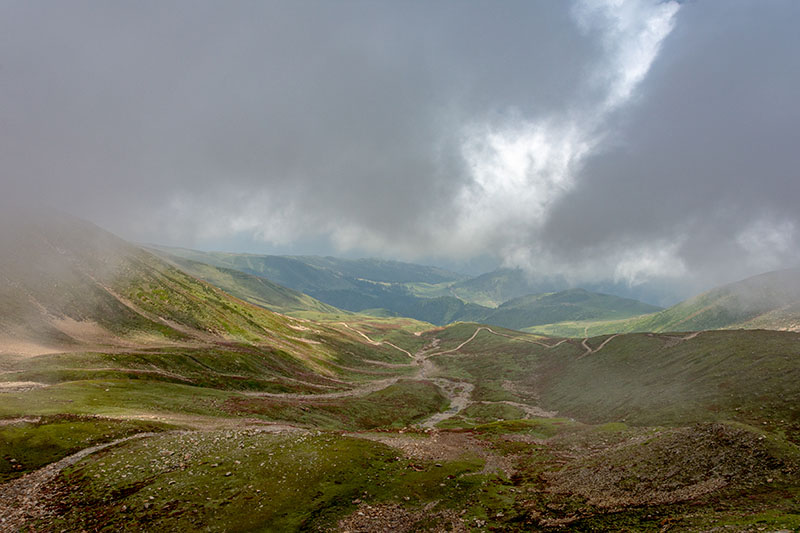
347 112
537 133
707 159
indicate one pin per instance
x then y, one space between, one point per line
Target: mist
637 142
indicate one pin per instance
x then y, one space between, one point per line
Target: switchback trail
457 392
590 350
377 343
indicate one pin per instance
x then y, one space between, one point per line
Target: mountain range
387 289
390 288
766 301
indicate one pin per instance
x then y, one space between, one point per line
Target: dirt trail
19 499
361 390
457 392
460 392
21 420
590 350
377 343
387 365
523 339
20 386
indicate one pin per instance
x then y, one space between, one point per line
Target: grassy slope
371 285
493 288
250 482
572 304
29 445
748 376
767 301
64 270
253 289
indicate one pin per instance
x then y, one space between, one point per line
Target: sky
627 140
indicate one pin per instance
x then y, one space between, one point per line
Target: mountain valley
135 395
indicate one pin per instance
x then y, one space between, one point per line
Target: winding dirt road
590 350
457 392
377 343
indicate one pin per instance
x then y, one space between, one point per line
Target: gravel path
19 499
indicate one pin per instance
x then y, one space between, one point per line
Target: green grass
230 368
584 328
27 446
253 289
395 406
767 301
749 376
245 481
115 398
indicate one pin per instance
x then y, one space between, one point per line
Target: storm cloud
628 140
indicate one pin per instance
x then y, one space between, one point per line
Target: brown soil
396 518
19 386
435 445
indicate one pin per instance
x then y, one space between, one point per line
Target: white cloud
643 263
519 169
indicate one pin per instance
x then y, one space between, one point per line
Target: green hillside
63 280
752 377
375 286
572 304
254 289
766 301
493 288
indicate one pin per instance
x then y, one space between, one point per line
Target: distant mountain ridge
384 293
309 273
391 290
766 301
571 304
498 286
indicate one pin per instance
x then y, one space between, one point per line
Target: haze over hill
65 282
401 289
767 301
